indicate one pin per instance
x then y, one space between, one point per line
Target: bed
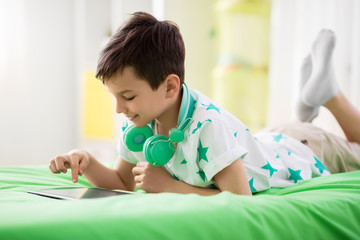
320 208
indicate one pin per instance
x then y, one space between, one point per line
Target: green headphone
158 149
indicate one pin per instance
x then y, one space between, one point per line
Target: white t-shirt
216 138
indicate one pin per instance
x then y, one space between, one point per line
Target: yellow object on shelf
98 109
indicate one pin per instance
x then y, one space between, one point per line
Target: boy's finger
60 163
74 164
137 170
83 164
52 167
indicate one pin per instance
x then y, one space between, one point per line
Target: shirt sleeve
218 148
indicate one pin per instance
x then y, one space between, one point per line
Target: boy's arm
118 178
233 178
155 180
81 162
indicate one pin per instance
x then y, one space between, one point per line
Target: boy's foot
322 85
305 112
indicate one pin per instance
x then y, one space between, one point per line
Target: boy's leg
305 112
317 80
322 85
321 89
346 115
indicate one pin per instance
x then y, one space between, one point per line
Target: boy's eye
129 98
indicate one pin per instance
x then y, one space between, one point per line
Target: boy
202 148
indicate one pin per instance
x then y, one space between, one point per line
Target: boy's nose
120 107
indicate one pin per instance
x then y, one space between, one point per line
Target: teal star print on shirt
270 168
199 124
211 107
251 184
202 175
278 137
295 175
319 165
124 127
202 152
183 162
197 127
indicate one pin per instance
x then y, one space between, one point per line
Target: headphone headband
186 109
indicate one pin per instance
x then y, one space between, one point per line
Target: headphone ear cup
158 150
135 137
176 135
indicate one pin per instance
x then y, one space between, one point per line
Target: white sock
322 85
304 112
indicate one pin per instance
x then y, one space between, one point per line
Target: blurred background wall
245 54
38 88
49 101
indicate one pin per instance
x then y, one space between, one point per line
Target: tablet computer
78 193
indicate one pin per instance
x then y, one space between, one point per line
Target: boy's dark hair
153 48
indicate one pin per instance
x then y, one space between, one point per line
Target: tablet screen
78 193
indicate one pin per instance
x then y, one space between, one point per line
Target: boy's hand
151 179
76 160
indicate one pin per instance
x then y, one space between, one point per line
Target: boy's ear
172 83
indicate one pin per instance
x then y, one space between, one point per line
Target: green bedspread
321 208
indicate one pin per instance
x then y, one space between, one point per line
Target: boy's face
135 98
